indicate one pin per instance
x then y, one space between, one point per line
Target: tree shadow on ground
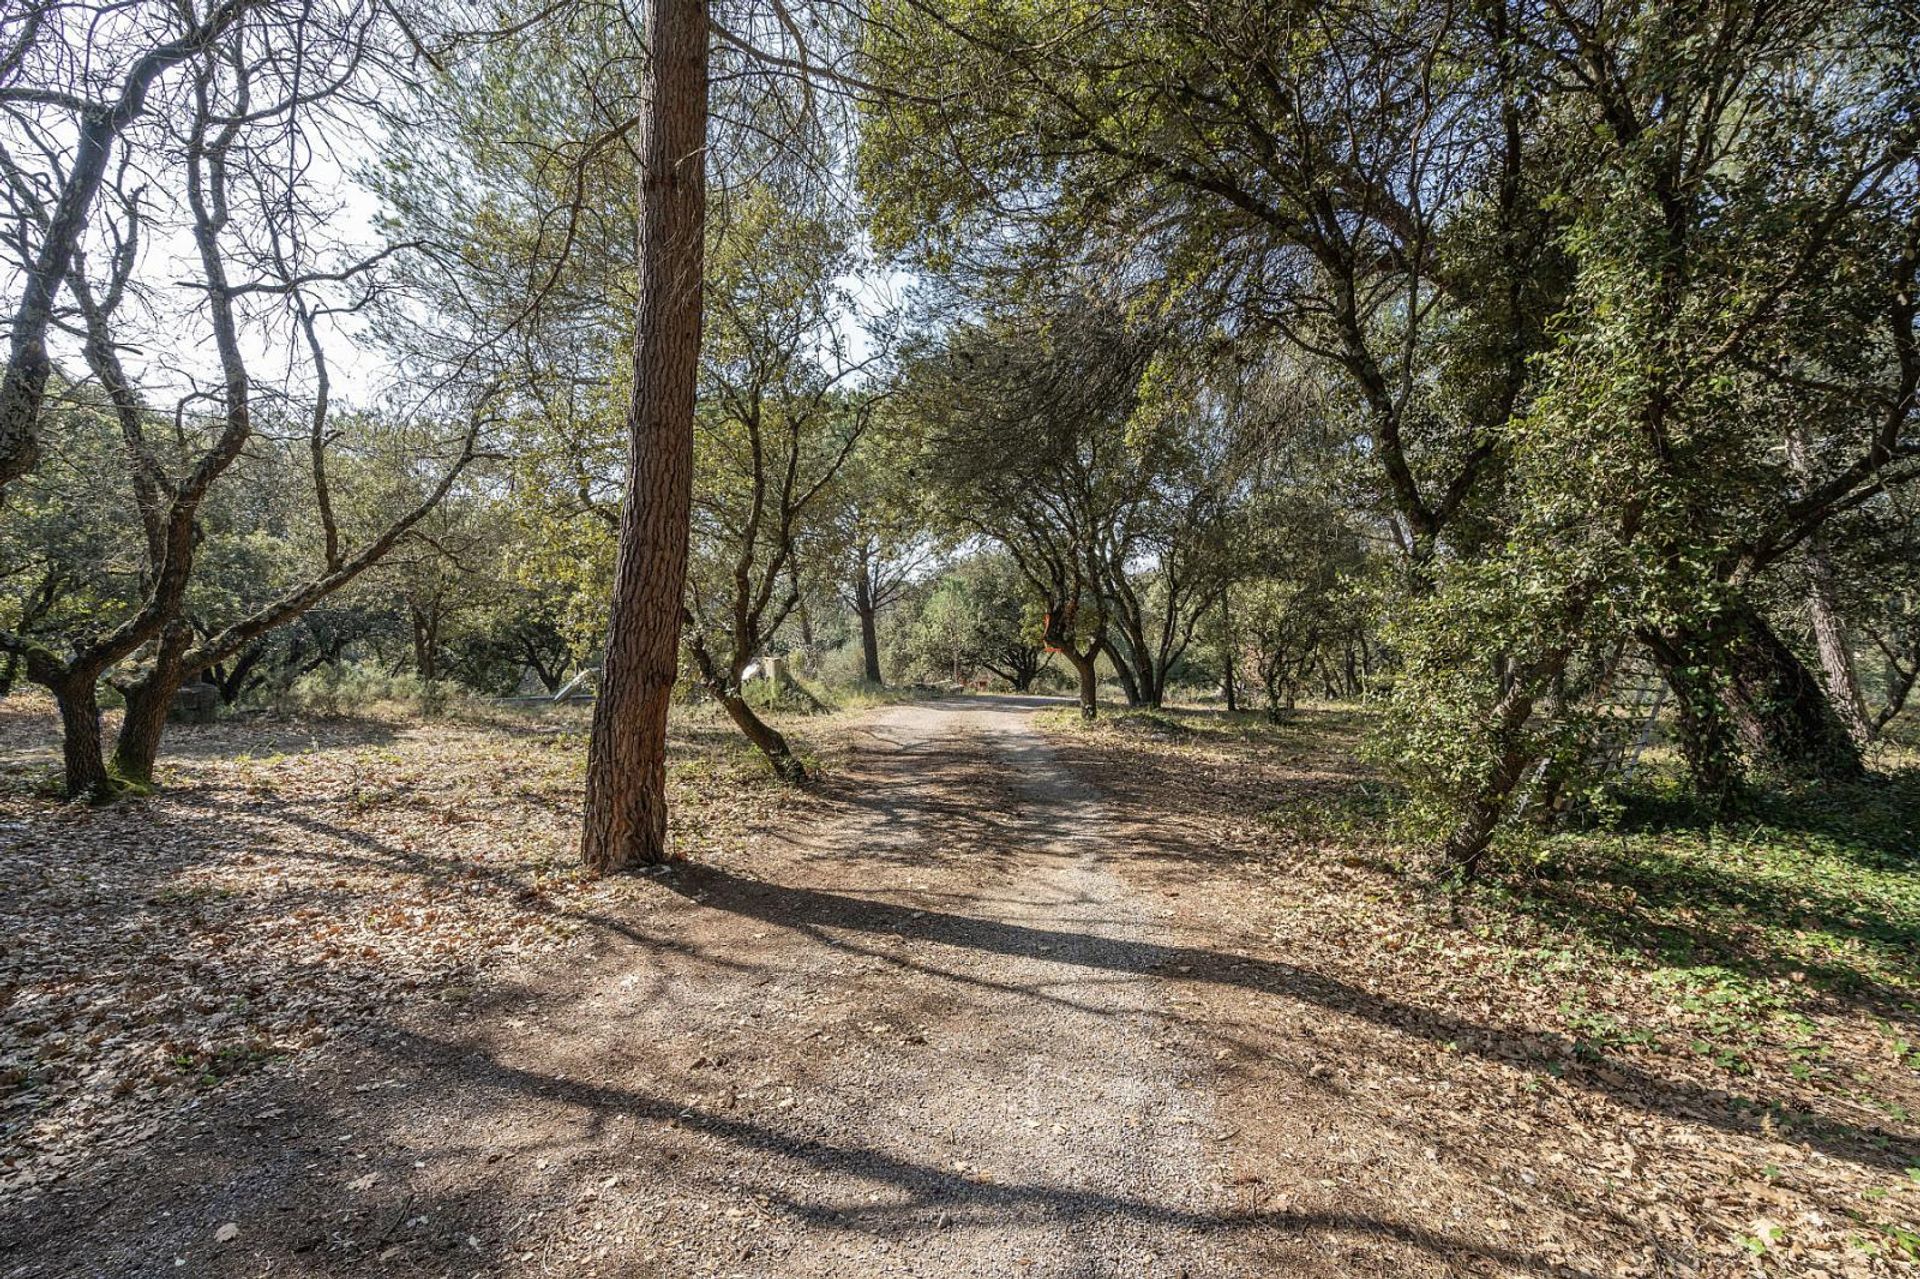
1680 909
307 1203
1820 888
1875 822
1623 1083
1666 883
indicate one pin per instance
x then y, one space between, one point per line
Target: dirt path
927 1037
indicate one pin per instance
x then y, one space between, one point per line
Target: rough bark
78 698
148 699
626 802
426 643
1830 640
1088 670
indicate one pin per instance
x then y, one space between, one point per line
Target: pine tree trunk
626 800
870 646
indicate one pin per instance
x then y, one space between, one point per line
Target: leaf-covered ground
1659 1048
1692 1045
290 881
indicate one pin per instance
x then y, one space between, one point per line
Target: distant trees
883 529
785 406
1044 439
980 615
1619 300
1295 602
1029 442
1498 350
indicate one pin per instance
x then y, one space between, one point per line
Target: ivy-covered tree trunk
1705 740
1783 714
137 747
1466 844
1739 688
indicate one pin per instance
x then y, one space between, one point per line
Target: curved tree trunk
1466 845
769 740
1130 682
626 794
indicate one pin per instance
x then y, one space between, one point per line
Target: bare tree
225 168
40 73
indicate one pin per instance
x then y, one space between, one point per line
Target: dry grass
1667 1047
292 879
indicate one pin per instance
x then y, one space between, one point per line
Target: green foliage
979 616
347 689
